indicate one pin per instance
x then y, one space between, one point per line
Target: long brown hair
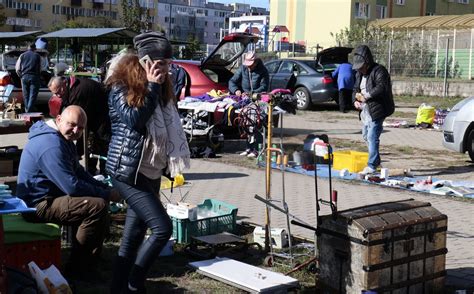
129 73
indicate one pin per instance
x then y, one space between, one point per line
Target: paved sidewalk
350 128
238 185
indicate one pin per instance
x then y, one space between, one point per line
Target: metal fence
432 54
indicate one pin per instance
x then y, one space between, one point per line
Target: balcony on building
21 12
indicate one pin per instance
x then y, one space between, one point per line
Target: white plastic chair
5 93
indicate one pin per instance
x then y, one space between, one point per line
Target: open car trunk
219 63
328 59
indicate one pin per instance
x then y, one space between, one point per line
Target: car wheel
470 144
303 100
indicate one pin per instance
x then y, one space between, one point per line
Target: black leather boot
120 273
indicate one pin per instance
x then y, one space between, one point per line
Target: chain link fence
432 54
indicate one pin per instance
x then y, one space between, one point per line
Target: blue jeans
144 211
371 133
30 85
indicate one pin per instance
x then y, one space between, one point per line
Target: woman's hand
157 70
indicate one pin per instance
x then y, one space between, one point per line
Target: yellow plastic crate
354 161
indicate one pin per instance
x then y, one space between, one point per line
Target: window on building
400 2
205 23
172 20
205 34
205 12
216 24
216 36
381 11
463 1
167 19
362 10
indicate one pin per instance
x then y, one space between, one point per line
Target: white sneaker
367 170
252 155
245 153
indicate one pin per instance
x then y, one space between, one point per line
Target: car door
272 67
283 75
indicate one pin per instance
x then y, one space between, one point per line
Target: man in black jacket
373 97
92 97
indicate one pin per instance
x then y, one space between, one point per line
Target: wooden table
15 129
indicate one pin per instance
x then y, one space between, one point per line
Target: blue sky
254 3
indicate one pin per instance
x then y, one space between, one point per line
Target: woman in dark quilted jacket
147 140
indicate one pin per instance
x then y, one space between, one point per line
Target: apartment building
313 21
180 19
26 15
199 19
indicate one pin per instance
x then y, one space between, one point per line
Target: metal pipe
268 170
389 62
445 82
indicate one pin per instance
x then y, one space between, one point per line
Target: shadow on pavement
460 279
294 131
450 170
212 176
460 235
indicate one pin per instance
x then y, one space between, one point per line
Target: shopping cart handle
306 226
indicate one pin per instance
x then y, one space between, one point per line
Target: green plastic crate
225 221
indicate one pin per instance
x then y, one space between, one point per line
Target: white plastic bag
50 280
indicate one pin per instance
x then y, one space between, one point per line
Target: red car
214 72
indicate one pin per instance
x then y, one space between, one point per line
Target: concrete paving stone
238 185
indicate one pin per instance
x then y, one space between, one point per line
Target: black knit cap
153 44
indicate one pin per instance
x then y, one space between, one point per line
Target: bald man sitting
51 179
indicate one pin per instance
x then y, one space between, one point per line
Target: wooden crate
393 246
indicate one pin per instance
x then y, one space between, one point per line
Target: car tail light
5 80
327 80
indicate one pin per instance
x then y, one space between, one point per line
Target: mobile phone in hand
144 60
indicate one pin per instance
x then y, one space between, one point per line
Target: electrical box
279 237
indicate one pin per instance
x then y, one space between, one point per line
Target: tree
132 15
3 18
191 49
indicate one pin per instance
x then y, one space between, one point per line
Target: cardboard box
279 237
6 168
182 211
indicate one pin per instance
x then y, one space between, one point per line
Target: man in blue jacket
28 68
52 180
251 77
345 85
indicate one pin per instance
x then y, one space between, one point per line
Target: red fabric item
54 105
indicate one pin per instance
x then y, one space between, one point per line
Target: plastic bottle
274 154
260 153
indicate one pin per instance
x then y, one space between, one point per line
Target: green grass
438 102
172 274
